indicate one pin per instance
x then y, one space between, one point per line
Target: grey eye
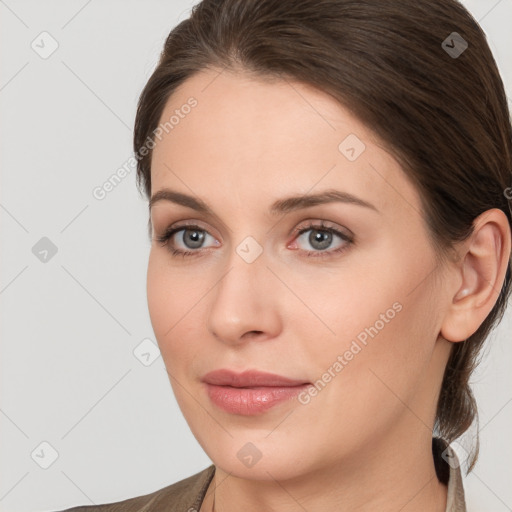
319 239
192 238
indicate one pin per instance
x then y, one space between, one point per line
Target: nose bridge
242 302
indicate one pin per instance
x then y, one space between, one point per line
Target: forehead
278 137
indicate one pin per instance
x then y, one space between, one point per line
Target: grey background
70 325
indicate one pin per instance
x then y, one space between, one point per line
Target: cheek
170 301
365 324
176 305
356 303
160 301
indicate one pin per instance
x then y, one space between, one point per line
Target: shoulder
185 496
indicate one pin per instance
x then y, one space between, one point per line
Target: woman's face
351 304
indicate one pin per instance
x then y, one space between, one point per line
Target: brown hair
444 117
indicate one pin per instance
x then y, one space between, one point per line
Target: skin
364 442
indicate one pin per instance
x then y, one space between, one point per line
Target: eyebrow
281 206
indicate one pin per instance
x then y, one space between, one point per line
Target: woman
329 185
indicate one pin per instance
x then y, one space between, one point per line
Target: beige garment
188 494
456 501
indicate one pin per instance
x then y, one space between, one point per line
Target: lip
249 378
251 392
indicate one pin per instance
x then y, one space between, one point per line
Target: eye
322 237
191 239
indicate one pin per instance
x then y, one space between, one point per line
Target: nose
244 303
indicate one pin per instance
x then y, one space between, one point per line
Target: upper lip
249 378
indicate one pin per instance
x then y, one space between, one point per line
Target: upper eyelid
179 225
304 225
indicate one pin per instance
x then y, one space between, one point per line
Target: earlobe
482 269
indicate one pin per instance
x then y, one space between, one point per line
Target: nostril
252 333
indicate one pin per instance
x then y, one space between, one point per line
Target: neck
399 476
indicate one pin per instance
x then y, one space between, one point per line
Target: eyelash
166 236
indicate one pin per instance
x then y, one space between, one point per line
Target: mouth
252 392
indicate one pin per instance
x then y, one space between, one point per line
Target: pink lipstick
251 392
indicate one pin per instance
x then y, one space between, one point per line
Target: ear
479 275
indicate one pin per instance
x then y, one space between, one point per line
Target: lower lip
251 401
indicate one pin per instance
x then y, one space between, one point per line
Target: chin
256 455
